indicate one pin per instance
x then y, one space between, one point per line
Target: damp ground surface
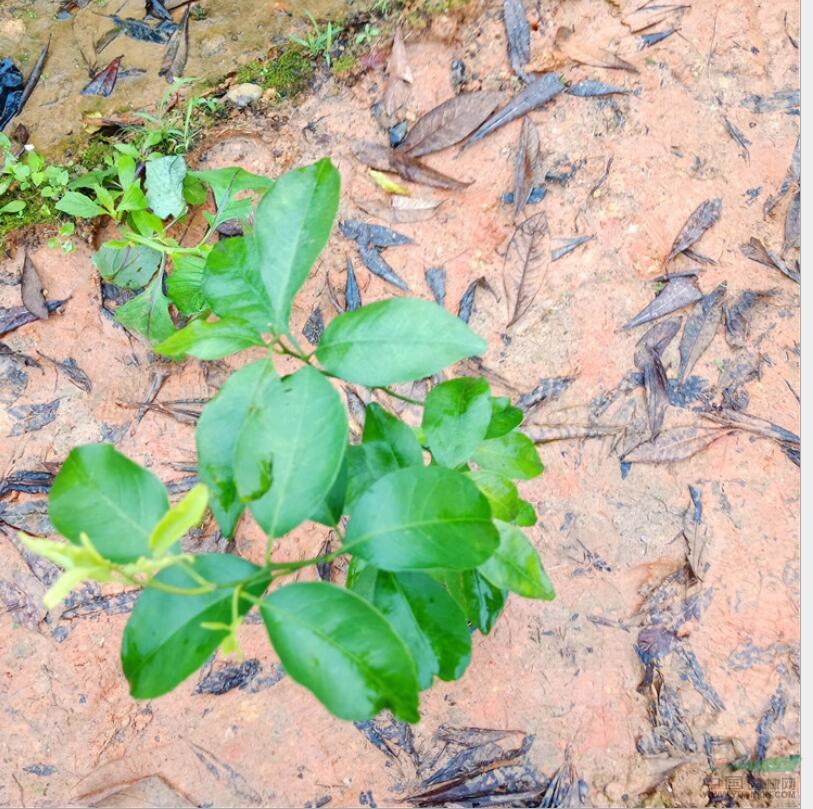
648 669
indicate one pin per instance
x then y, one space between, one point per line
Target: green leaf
385 428
504 417
15 206
164 184
164 641
341 649
148 313
513 455
216 438
422 517
179 519
456 416
146 223
232 284
367 463
125 170
116 502
330 510
526 515
479 599
194 190
210 340
126 265
501 493
75 204
185 283
133 199
226 183
396 340
291 226
515 566
425 617
290 449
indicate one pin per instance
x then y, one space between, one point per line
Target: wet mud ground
646 670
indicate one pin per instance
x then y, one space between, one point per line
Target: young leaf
504 417
290 449
396 340
179 519
103 494
226 183
126 265
384 428
515 566
148 313
343 650
425 616
164 184
75 204
479 599
210 340
422 517
216 437
292 225
164 640
232 284
455 419
513 455
185 283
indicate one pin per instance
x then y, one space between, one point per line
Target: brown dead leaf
399 76
679 292
675 445
382 158
586 53
403 210
701 326
526 264
645 17
563 432
449 123
527 164
704 216
31 288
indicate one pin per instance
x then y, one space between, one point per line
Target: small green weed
320 41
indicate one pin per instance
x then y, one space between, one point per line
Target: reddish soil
566 672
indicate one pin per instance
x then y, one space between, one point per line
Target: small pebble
242 95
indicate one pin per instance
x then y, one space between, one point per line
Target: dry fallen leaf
527 164
701 326
675 445
399 76
680 291
31 288
704 216
449 123
586 53
535 95
526 264
382 158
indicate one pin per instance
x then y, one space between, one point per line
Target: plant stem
403 398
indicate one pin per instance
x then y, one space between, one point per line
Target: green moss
344 64
94 152
289 74
37 211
